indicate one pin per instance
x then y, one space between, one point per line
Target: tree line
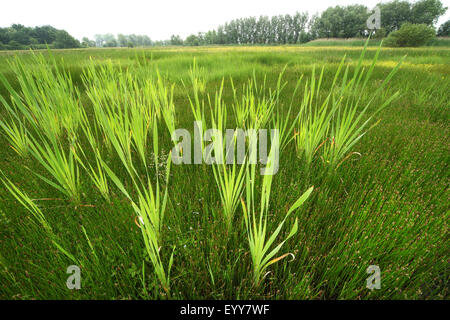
109 40
19 37
335 22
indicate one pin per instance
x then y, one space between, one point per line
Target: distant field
385 204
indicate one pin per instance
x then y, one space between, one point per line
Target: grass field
384 201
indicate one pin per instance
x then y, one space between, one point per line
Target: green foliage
45 115
86 43
109 40
335 22
192 40
260 239
397 12
65 41
20 37
427 12
332 126
411 35
379 34
444 29
342 22
176 40
394 14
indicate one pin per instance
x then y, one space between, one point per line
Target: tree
122 40
45 34
133 40
109 40
111 43
314 27
262 30
444 29
221 36
394 14
192 40
342 22
146 41
355 20
14 45
175 40
20 37
427 12
86 42
299 33
210 37
99 40
65 41
4 36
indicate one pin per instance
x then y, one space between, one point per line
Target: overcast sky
157 19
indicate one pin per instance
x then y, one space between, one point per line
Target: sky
157 19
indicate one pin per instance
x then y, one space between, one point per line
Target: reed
351 119
254 107
330 126
46 110
229 177
261 240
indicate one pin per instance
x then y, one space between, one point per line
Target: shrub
411 35
14 45
379 34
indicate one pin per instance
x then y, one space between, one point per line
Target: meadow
87 178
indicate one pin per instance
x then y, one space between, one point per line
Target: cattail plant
198 87
229 177
16 133
112 95
314 119
254 108
162 98
260 239
48 98
96 173
40 133
283 122
350 120
60 163
124 116
332 127
149 204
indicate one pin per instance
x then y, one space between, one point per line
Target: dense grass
339 42
387 207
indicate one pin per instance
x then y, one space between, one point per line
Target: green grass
338 42
355 42
388 206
